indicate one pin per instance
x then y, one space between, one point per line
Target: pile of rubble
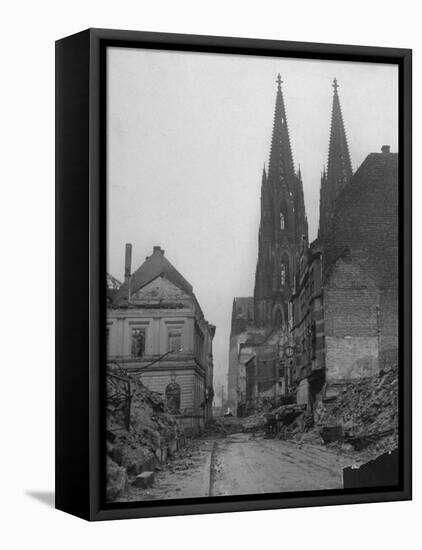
255 422
363 417
223 426
361 422
140 433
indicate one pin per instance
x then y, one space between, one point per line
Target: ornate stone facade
283 228
156 329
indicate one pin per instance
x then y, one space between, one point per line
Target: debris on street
141 434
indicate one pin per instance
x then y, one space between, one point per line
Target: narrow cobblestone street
241 464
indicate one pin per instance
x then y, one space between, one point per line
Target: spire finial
335 85
279 81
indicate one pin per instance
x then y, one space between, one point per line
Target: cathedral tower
339 169
283 228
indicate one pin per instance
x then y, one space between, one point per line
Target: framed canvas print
233 274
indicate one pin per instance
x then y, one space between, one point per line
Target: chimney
128 267
158 250
385 148
128 261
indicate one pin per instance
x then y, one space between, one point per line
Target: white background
27 275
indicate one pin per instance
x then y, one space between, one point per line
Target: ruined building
361 272
308 323
345 306
334 302
156 330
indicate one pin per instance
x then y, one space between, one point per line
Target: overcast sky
188 135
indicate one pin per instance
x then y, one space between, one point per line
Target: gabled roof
154 266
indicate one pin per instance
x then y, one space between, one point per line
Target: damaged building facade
325 312
156 330
345 306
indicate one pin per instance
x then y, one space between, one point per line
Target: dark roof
154 266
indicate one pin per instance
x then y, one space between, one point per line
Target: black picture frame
80 269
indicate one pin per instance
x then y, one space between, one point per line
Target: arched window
283 275
284 271
173 397
282 221
278 321
283 216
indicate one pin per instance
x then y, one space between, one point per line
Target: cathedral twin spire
283 224
339 168
284 227
281 159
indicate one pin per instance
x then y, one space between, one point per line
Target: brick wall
351 301
366 223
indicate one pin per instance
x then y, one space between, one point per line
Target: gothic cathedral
283 229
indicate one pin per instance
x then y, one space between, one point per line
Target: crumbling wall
366 222
236 374
351 316
140 432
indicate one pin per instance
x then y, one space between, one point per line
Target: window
282 221
283 216
284 270
138 342
278 318
283 275
175 339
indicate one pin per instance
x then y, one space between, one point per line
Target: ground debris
140 432
366 413
361 423
223 426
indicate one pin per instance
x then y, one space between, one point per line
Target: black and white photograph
252 307
209 208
